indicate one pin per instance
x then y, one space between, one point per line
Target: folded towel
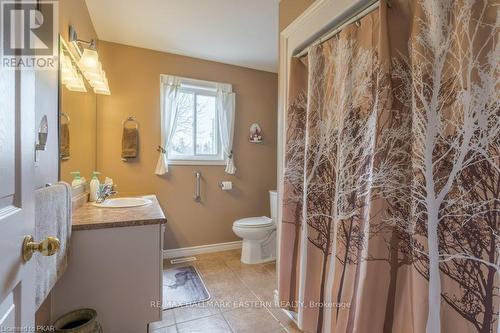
64 140
52 218
130 142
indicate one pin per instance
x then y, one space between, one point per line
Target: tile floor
242 300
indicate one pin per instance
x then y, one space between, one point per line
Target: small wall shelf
255 141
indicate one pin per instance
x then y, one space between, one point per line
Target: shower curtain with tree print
391 184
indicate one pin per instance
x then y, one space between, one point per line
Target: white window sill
196 162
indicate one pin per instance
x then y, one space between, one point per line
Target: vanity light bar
70 76
77 85
92 69
89 64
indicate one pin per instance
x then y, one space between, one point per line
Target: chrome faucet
104 192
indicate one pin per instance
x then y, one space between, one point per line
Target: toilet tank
273 202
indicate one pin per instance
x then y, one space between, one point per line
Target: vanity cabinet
115 267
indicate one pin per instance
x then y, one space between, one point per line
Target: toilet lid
254 222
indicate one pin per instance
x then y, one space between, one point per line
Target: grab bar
197 196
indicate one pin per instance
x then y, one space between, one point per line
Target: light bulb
77 84
89 60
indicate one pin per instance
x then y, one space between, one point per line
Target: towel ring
131 119
65 115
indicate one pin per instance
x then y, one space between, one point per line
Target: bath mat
183 286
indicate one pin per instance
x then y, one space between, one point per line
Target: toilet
259 235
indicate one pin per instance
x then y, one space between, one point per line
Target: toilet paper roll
226 186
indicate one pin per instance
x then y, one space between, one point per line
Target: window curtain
169 89
390 219
225 104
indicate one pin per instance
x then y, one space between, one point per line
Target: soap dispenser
77 179
94 186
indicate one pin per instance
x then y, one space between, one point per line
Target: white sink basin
123 202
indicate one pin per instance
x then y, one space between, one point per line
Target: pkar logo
29 34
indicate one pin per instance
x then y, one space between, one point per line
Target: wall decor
255 133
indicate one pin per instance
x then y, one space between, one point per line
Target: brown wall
75 13
290 10
134 76
80 107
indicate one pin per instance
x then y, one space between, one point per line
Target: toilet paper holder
225 185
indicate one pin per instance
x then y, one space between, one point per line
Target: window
197 123
196 136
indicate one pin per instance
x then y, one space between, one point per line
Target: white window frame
206 88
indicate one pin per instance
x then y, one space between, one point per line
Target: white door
17 116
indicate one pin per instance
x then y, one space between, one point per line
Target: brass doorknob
47 247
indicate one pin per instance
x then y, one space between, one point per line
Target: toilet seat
254 222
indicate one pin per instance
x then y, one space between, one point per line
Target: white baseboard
194 250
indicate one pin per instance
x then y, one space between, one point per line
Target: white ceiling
237 32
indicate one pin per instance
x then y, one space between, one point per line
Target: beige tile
279 330
251 274
271 267
225 278
285 320
263 289
212 266
251 320
169 329
167 320
195 311
212 324
230 295
217 279
254 279
228 302
230 255
234 263
240 291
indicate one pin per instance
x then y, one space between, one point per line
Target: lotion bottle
77 179
94 186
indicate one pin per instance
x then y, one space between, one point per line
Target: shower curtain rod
357 15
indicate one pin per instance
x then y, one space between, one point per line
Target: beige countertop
88 217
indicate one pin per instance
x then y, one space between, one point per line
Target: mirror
77 118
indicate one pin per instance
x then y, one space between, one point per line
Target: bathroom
240 166
92 127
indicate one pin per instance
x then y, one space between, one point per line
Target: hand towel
52 218
130 142
64 141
